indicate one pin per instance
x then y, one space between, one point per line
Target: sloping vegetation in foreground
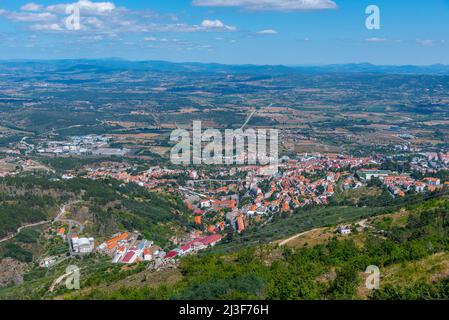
331 270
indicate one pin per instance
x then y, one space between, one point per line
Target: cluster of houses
242 195
283 192
194 245
399 184
438 156
150 179
127 248
78 246
444 157
81 145
11 166
430 162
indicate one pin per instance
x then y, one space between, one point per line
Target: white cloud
212 24
427 42
30 17
97 6
150 39
430 42
46 27
267 31
269 5
85 6
31 7
106 18
204 26
216 24
93 22
376 40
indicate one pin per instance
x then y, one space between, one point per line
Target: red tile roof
171 254
129 256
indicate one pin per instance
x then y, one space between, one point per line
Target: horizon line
225 64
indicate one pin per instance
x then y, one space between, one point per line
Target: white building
82 245
205 204
344 230
420 187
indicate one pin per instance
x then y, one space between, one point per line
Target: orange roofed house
240 224
111 244
198 220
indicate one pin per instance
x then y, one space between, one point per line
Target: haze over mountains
114 64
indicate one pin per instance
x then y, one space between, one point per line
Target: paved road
192 192
53 130
248 119
251 115
59 218
23 227
31 146
62 211
70 222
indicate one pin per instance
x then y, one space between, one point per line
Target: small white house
206 204
344 230
420 187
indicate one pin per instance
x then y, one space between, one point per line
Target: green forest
113 206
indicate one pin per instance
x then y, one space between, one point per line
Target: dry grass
146 278
429 269
312 238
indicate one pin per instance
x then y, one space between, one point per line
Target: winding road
62 211
23 227
59 218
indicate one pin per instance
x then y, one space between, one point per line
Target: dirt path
362 223
284 242
60 279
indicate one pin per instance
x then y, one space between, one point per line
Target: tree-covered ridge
332 270
22 203
31 198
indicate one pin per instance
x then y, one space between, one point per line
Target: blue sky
291 32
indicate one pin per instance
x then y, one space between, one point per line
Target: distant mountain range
113 64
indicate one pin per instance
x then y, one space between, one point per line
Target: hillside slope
409 246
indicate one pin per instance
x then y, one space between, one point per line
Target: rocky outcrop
11 272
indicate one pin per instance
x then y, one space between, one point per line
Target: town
239 197
88 179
